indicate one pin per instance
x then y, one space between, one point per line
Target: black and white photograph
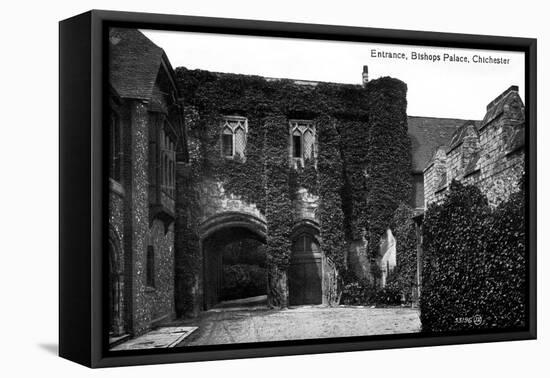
269 189
334 189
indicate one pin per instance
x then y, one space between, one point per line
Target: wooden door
305 272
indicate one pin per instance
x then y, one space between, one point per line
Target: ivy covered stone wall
360 174
388 158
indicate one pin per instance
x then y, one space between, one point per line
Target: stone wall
435 176
144 102
129 218
116 209
160 298
138 212
305 206
488 154
214 200
188 255
502 162
117 260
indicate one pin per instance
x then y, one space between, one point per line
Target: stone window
150 267
233 140
115 164
302 141
296 145
167 161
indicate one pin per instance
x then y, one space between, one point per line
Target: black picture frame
82 196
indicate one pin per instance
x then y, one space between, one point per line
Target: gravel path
308 322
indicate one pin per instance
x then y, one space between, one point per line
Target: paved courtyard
243 325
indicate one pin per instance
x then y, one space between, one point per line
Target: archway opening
244 272
235 263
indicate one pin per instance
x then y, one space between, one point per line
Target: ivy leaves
474 262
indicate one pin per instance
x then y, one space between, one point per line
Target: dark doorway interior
244 272
305 272
235 267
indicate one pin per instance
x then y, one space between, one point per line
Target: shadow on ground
52 348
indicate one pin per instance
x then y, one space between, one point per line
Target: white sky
435 89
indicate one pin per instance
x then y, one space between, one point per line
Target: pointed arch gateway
305 273
217 232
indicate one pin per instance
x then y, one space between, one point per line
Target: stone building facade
143 120
488 153
225 116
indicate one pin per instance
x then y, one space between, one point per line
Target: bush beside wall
474 263
243 281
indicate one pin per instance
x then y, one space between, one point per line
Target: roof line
448 118
270 78
165 64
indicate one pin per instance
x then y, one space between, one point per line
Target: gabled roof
134 63
427 134
510 97
460 133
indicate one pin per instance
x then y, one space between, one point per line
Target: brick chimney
365 75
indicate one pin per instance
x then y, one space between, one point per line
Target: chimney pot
365 75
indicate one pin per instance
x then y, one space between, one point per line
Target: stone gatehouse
310 172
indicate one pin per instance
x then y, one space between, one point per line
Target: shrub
505 265
358 292
389 295
242 281
474 263
363 293
245 251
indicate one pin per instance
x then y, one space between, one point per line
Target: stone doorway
306 271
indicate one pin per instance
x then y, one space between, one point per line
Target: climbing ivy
304 177
278 209
474 265
388 158
331 215
354 152
188 257
362 169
